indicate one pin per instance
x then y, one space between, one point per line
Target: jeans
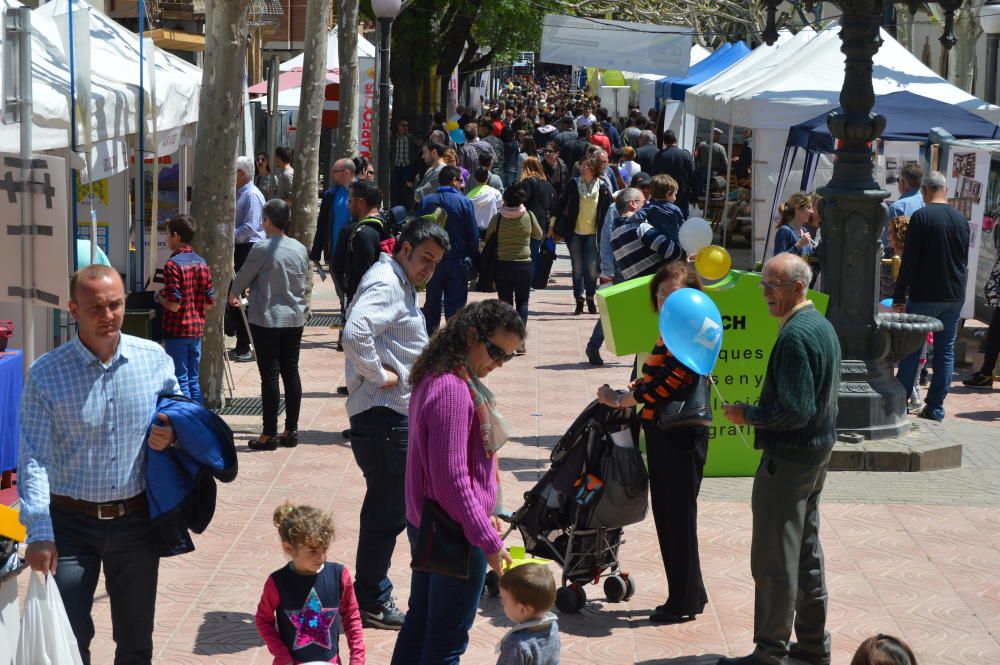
449 281
186 352
397 187
597 337
513 282
536 248
583 257
440 614
278 354
992 345
944 354
233 313
379 442
786 556
125 548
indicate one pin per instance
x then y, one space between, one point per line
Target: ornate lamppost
872 402
385 11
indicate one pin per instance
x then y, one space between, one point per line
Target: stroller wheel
629 587
568 600
492 584
615 589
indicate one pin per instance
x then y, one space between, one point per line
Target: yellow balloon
713 262
450 125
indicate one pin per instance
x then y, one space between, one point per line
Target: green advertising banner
631 327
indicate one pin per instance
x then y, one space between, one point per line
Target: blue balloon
886 303
691 328
457 135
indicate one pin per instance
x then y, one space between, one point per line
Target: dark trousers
398 191
676 461
233 313
513 282
448 281
992 345
786 557
126 549
278 355
440 614
378 441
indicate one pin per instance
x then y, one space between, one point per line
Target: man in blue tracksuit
451 279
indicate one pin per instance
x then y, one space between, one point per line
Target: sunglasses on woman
495 351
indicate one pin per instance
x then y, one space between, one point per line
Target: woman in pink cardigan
455 432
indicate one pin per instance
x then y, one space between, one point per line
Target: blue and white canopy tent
909 117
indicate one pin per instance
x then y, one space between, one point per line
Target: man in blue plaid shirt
85 412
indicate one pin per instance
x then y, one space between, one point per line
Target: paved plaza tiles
914 555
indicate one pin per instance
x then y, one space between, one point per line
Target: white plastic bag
46 636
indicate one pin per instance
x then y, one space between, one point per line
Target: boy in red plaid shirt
186 297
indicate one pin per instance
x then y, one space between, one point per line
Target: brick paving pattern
915 555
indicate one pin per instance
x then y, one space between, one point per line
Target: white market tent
365 50
804 83
114 87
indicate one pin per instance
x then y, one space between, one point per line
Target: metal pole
708 175
992 53
382 170
272 121
27 195
140 183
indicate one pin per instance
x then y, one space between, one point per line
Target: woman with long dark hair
675 457
451 468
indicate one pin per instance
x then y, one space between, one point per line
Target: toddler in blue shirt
527 593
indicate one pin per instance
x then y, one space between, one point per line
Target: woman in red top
675 457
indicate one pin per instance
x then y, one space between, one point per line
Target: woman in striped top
675 457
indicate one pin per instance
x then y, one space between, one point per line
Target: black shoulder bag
691 409
441 547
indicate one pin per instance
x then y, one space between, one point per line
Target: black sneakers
594 357
979 380
386 616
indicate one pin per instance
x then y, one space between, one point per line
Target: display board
749 332
967 173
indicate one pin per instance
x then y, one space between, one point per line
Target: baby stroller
597 484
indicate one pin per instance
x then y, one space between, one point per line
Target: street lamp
989 18
872 402
385 12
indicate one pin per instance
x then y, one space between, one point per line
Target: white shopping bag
46 636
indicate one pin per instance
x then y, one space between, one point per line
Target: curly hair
303 526
897 229
449 347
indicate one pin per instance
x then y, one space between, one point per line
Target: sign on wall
50 243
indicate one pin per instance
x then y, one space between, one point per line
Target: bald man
84 415
794 424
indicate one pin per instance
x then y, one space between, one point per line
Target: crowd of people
425 429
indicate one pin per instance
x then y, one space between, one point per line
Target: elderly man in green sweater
794 423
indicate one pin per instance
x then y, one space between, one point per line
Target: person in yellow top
516 227
579 216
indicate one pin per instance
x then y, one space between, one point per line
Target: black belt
110 510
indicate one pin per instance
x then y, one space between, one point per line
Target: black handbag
692 409
441 547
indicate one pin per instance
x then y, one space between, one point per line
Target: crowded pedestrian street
909 554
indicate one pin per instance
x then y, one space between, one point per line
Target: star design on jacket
312 623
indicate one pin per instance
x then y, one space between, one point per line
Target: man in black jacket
933 274
576 150
364 235
679 165
646 152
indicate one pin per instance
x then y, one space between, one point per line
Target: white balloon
695 235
